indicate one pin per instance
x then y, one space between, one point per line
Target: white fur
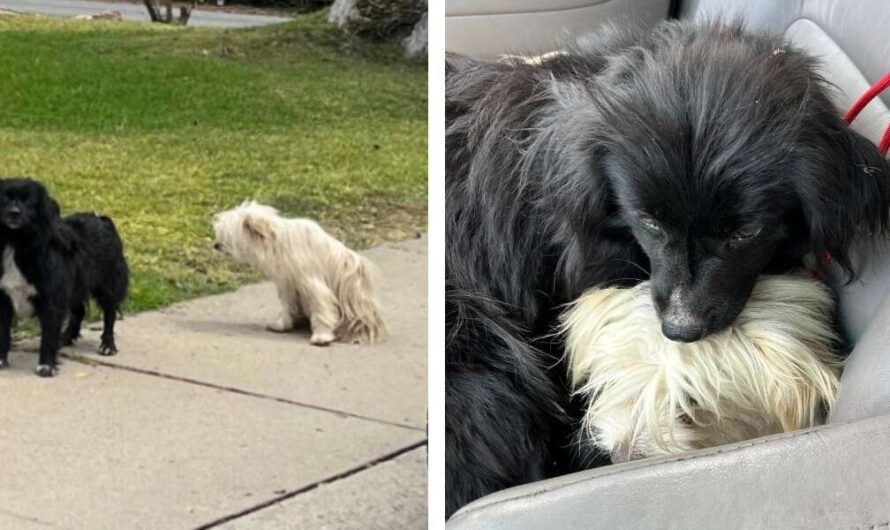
317 276
16 286
773 371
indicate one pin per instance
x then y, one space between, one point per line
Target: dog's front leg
287 318
6 314
50 332
324 313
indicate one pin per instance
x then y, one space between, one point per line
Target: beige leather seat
486 29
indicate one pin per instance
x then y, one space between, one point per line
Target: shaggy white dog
773 371
317 276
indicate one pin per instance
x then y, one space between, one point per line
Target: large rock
343 12
395 20
415 44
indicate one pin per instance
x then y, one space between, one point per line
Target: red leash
864 100
883 146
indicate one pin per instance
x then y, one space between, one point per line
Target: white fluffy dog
317 276
773 371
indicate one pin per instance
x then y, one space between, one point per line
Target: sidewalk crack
315 485
91 361
34 520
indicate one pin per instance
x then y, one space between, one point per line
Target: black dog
704 154
103 275
52 265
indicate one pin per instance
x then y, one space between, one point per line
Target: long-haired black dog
699 156
52 265
103 275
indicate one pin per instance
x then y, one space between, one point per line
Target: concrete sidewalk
134 12
205 419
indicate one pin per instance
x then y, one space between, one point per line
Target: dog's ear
569 150
52 208
845 195
47 208
258 227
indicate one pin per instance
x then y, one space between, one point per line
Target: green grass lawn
160 127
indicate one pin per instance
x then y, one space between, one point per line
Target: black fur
104 275
702 153
66 261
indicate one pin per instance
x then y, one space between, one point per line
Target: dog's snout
678 321
13 216
14 210
682 331
217 246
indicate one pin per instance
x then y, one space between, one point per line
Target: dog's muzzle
13 219
677 321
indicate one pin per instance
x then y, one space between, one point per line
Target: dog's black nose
682 330
217 246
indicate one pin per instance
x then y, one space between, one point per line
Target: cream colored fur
317 276
775 370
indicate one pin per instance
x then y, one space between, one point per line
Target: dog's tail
361 318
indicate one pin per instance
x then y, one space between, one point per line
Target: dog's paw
106 350
277 328
45 370
322 339
282 325
4 363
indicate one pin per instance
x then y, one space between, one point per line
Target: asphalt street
134 12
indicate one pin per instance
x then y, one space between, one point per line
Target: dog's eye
745 234
648 221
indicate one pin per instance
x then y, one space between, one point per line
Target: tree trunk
154 11
185 12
